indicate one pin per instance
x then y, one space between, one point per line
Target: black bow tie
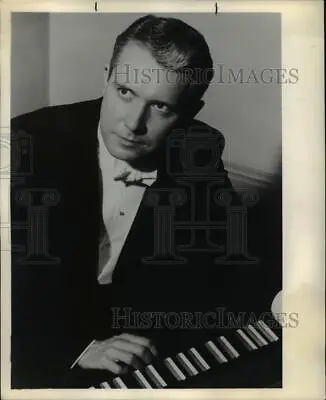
136 178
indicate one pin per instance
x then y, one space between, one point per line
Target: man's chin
125 155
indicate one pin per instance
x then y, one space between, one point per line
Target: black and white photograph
146 198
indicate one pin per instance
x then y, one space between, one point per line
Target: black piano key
119 383
245 339
174 369
105 385
129 380
266 331
198 359
133 378
216 352
225 344
239 344
155 378
208 356
141 379
186 364
167 374
255 335
173 379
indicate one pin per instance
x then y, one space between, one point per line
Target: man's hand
133 351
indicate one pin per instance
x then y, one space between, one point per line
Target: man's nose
135 119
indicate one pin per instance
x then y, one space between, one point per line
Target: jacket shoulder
200 127
54 132
57 115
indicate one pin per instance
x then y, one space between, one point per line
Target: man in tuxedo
124 171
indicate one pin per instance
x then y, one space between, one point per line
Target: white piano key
228 347
141 379
266 330
255 335
218 355
155 376
184 361
199 360
118 383
105 385
172 366
246 340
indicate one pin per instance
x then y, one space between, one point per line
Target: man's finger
113 366
139 340
100 362
134 349
135 339
126 357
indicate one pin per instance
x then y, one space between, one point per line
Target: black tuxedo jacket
58 305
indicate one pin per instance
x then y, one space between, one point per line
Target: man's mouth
129 142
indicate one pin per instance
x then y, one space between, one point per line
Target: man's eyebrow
172 106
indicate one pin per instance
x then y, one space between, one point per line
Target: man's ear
105 77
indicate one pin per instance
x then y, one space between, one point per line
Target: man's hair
175 45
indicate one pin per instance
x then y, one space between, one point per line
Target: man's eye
162 107
124 92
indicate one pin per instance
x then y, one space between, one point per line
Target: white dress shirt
120 206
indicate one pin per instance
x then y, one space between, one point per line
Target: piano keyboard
221 359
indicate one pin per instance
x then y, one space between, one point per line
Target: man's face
140 104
